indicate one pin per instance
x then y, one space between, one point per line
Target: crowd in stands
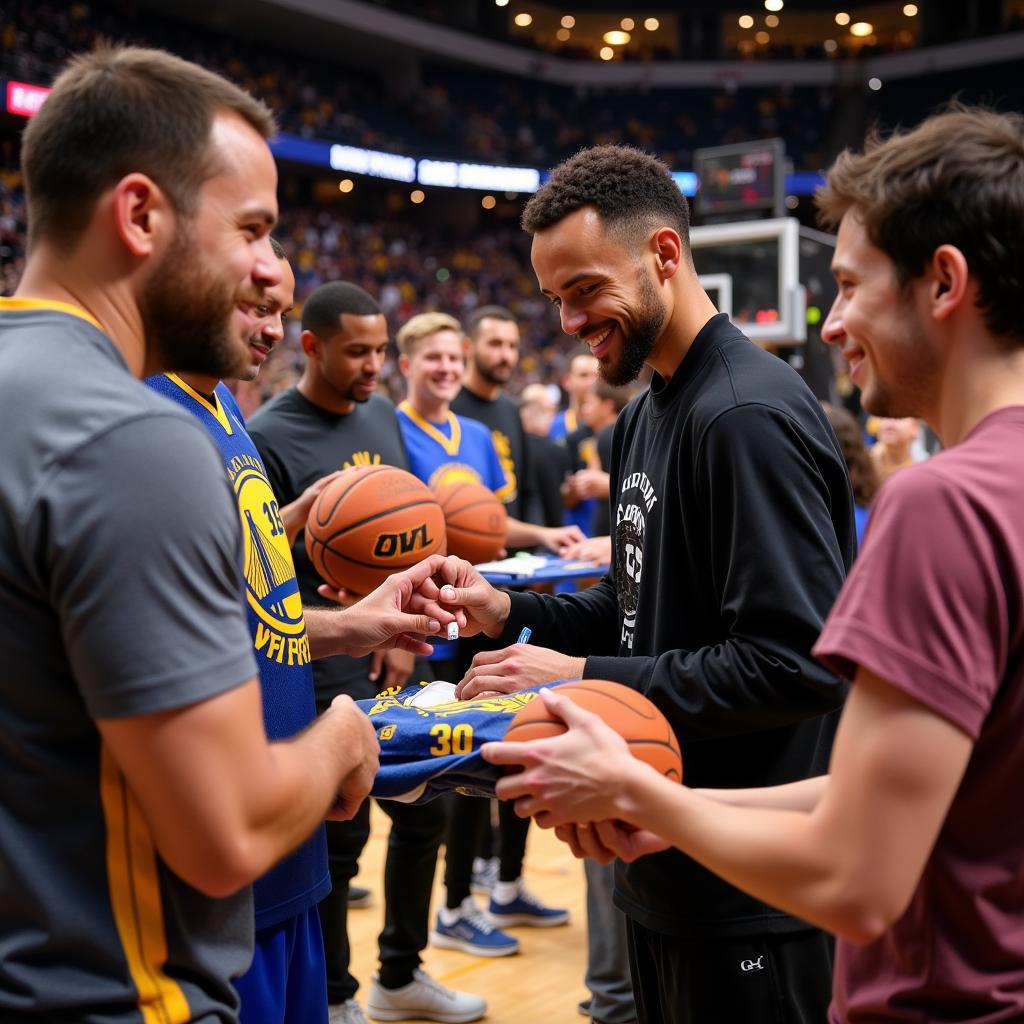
460 113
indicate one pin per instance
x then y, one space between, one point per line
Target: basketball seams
361 473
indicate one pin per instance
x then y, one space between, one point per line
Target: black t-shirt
301 442
733 530
601 523
548 463
501 417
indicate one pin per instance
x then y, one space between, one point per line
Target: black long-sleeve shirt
733 529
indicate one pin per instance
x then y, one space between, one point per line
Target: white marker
453 631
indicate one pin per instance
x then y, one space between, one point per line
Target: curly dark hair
956 179
631 190
863 475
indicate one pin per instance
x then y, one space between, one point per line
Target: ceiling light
524 19
568 21
771 20
628 24
563 35
842 18
874 84
746 21
488 202
616 38
417 195
910 10
773 5
861 28
501 3
652 24
607 53
762 37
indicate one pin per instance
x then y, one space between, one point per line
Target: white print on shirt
630 527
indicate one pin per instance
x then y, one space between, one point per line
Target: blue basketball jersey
427 751
278 629
458 449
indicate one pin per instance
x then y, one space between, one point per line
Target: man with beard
733 529
332 419
492 354
910 848
141 796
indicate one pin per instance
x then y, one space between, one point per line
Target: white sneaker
423 999
348 1012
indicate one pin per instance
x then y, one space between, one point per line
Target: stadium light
910 10
861 28
627 24
616 37
652 24
568 21
523 19
771 20
773 5
563 35
842 18
606 53
746 21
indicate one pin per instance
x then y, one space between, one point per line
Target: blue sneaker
524 908
472 933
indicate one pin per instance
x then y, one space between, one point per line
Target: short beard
187 314
491 377
639 342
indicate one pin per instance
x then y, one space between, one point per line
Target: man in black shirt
492 354
547 461
332 419
733 530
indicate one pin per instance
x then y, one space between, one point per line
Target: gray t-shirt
119 596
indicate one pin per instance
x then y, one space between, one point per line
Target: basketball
370 522
475 520
628 712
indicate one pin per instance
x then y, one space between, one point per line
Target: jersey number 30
452 739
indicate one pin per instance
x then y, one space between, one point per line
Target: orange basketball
475 520
370 522
628 712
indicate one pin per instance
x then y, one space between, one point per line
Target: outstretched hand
462 592
397 614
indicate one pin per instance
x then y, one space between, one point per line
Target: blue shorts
287 982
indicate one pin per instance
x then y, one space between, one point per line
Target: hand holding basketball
581 773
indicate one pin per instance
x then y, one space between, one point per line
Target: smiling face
434 368
604 291
878 328
198 304
273 311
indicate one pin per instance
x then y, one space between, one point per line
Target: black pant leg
345 842
511 841
774 979
416 834
467 815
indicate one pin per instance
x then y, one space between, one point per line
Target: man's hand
459 590
580 776
294 515
594 549
396 615
589 483
361 740
558 539
604 841
397 667
516 668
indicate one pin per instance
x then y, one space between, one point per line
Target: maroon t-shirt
935 606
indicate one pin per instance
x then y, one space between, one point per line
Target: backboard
761 260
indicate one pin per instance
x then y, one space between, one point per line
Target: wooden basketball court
542 983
